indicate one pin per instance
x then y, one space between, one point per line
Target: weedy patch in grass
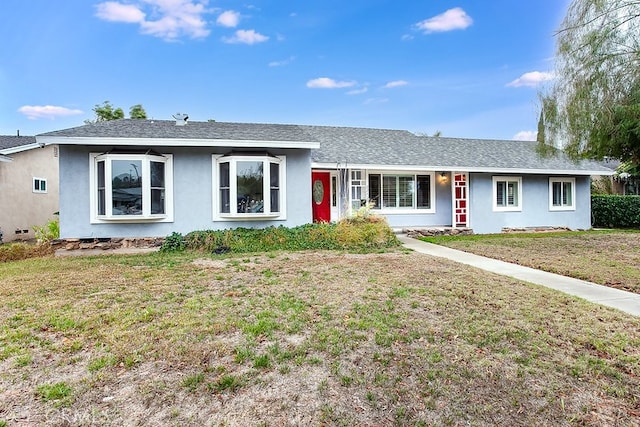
54 392
262 362
192 382
101 362
227 383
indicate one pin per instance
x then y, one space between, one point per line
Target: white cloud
228 19
531 79
246 37
327 83
172 19
526 135
118 12
281 63
396 83
358 91
452 19
35 112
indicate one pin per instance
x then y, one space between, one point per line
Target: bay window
249 186
131 187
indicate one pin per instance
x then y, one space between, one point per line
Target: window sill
402 211
131 219
248 217
518 209
561 208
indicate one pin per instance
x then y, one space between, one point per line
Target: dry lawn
607 258
308 338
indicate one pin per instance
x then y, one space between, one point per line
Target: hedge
612 211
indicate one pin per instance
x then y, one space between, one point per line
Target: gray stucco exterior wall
192 195
535 205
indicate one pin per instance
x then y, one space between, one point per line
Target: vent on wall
181 119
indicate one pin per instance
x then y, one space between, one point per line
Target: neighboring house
28 186
148 178
625 180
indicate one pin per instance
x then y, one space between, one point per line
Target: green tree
137 112
593 108
105 112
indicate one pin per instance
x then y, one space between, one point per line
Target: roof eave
326 165
21 148
181 142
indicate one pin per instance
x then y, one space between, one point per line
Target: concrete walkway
611 297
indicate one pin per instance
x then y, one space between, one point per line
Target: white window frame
508 208
39 181
233 215
562 207
408 210
146 215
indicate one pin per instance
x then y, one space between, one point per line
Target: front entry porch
408 199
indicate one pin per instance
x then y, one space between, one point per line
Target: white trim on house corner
4 158
512 171
176 142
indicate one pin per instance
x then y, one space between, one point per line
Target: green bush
47 232
172 243
613 211
360 234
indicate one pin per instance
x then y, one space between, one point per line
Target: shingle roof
350 145
132 128
389 148
12 141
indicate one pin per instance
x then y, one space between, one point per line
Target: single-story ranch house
149 178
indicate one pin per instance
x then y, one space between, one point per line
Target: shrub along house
148 178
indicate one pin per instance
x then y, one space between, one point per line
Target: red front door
321 196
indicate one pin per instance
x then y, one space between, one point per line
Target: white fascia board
4 158
177 142
510 171
347 165
21 148
517 171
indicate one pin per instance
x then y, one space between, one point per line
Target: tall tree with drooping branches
592 109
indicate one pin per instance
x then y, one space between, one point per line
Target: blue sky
467 68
